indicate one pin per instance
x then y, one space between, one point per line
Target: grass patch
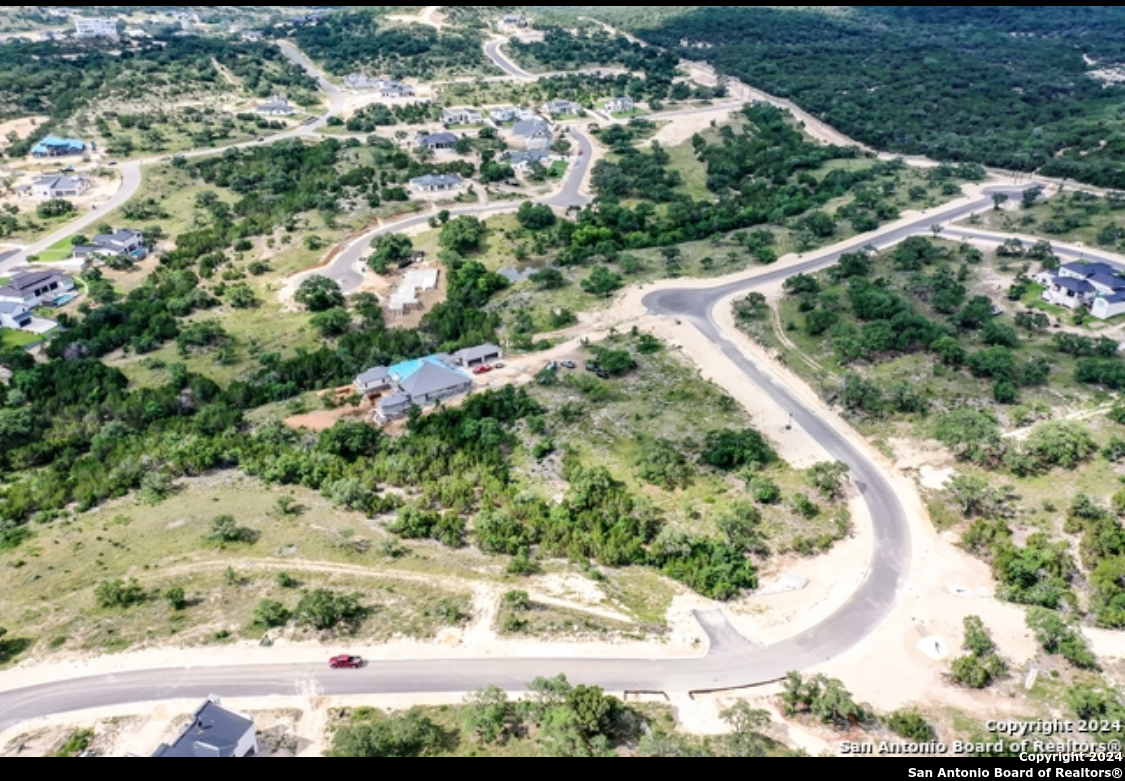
10 337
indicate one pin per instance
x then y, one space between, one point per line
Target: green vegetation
875 84
981 666
75 743
822 697
359 41
911 725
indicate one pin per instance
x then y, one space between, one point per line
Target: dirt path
779 331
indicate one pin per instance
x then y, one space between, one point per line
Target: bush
729 449
118 593
911 725
764 490
270 613
319 294
981 666
1058 637
176 599
323 609
372 734
225 529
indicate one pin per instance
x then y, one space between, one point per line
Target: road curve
492 51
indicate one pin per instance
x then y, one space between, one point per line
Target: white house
373 382
95 27
276 106
521 161
533 134
433 183
619 104
510 114
395 89
129 243
443 140
562 108
513 20
1105 307
36 287
461 116
59 186
476 356
14 315
1083 284
252 36
214 732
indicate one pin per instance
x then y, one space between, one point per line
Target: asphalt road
492 51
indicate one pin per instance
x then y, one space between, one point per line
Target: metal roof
431 378
475 353
373 375
213 732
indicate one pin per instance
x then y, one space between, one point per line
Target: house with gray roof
276 106
213 731
476 356
432 383
14 315
523 160
393 407
434 183
534 134
373 381
461 116
36 288
559 107
443 140
623 103
59 186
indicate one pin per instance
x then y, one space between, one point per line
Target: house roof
11 308
519 158
378 374
432 378
436 180
397 400
213 732
1108 280
53 141
1116 298
25 282
1088 269
59 182
1077 285
531 127
117 237
476 353
430 139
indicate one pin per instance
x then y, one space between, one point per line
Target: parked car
591 366
568 364
601 374
484 369
498 365
345 661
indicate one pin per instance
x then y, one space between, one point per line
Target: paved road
493 52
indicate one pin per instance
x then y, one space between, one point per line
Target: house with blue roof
1096 285
421 382
53 146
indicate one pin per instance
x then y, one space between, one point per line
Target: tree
828 477
176 599
547 279
270 613
118 593
535 216
1058 637
746 723
976 497
323 609
390 251
225 529
372 734
1059 443
462 234
981 666
728 449
489 716
998 200
55 207
911 725
601 282
319 294
332 322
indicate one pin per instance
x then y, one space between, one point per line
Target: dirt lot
22 127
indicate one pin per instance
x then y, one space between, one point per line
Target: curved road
731 661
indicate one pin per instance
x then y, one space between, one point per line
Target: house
58 186
36 288
562 108
461 116
395 89
123 242
214 731
510 113
619 104
373 382
434 382
1105 307
534 133
252 36
95 27
1068 292
14 315
437 140
393 407
521 161
513 20
476 356
276 106
360 81
434 183
53 146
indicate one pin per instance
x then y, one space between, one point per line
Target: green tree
319 294
270 613
1058 637
729 449
225 529
118 593
828 478
548 279
372 734
462 234
911 725
601 282
489 716
390 251
176 599
323 609
746 723
332 322
535 216
54 207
